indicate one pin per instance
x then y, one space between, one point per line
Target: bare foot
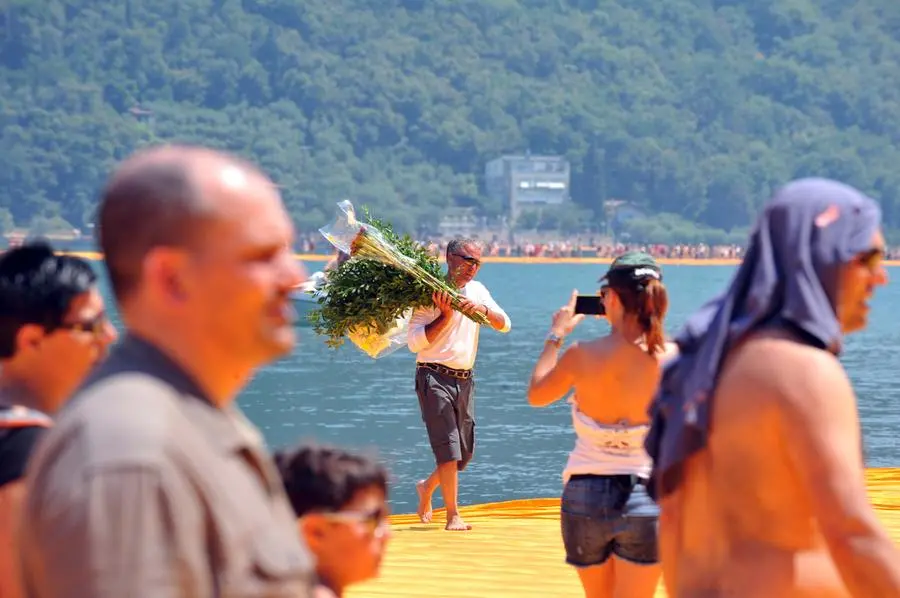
456 524
424 509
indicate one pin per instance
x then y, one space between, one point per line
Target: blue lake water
344 397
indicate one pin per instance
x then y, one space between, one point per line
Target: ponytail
654 302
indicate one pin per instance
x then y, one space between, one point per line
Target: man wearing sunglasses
340 499
445 343
756 438
53 329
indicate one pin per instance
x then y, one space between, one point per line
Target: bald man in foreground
755 437
153 483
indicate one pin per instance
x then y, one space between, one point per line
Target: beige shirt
457 346
144 488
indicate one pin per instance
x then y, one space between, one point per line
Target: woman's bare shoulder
594 346
589 351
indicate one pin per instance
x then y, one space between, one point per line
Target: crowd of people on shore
725 461
579 248
309 244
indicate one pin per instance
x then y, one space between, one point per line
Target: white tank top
602 449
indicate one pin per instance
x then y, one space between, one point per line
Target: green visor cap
633 266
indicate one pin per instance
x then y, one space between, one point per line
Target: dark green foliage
366 292
683 107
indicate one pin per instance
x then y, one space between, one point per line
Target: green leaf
364 293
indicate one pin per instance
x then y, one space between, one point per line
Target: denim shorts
606 515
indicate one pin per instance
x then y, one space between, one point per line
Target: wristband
554 339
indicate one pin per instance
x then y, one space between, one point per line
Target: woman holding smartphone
609 522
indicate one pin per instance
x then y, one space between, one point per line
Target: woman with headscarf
608 520
755 438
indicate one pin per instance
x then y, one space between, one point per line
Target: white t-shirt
457 345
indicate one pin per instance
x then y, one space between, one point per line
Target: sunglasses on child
374 520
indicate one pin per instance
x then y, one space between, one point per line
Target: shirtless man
763 495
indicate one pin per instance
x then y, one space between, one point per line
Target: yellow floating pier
515 549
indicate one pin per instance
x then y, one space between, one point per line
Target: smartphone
590 305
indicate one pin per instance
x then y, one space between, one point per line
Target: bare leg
425 489
449 480
636 581
599 581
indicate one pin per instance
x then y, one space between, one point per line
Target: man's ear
29 338
166 274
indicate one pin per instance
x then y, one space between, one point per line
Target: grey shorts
448 410
603 516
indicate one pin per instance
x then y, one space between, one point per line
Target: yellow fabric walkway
515 550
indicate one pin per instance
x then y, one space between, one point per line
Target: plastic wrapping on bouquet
344 229
376 345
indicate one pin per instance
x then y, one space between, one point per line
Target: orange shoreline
315 257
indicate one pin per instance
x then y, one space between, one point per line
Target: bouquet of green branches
370 297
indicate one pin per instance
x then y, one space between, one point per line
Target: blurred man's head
825 238
198 242
340 499
858 279
53 323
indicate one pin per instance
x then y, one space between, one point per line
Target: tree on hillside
690 108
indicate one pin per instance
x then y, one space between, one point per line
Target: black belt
442 369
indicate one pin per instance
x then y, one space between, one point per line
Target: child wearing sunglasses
340 499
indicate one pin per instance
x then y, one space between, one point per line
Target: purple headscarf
788 279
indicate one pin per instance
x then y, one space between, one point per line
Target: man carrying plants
445 341
442 315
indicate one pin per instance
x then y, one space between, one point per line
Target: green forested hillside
690 107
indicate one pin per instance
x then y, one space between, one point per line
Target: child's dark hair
326 478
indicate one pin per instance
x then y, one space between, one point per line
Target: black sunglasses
468 258
95 325
871 259
372 519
